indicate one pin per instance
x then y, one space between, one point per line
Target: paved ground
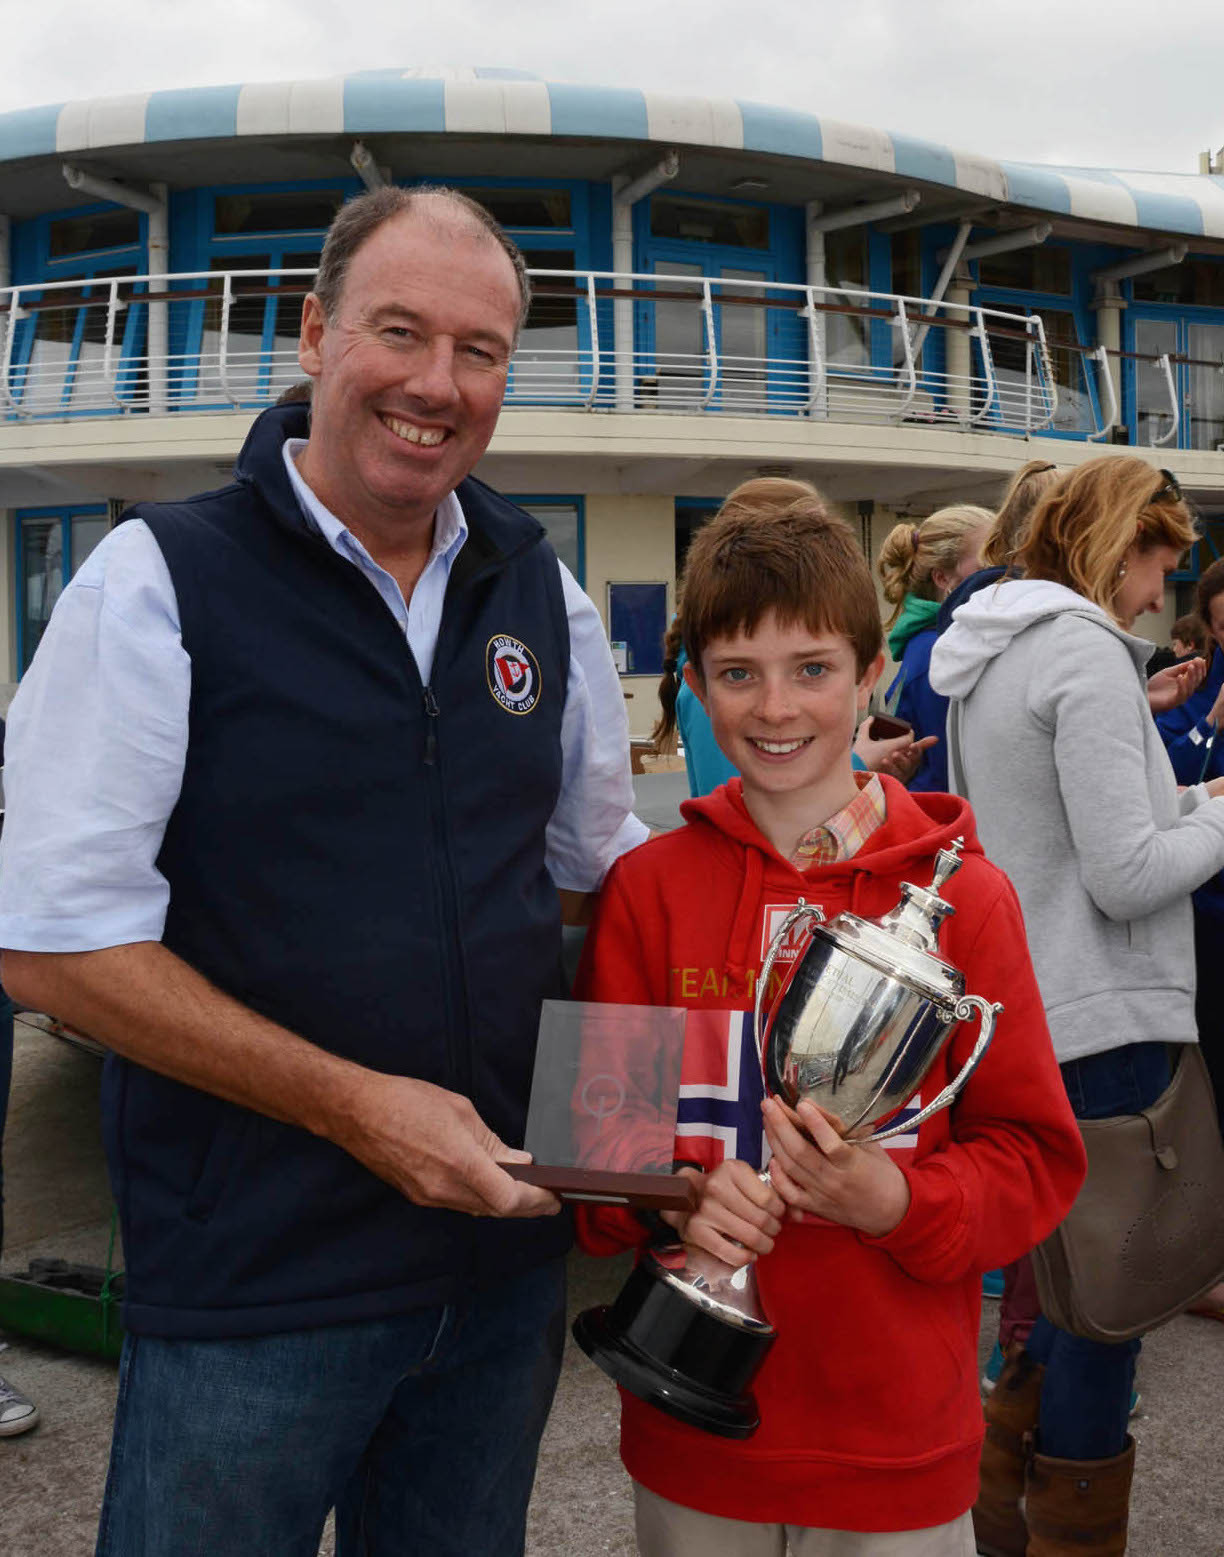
51 1479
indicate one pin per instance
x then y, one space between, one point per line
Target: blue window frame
260 357
60 363
554 362
1068 325
257 227
762 351
52 543
564 518
1195 334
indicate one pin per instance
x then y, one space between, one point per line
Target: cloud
1093 82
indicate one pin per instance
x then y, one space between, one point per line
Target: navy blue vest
361 859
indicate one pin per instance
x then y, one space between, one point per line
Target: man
293 780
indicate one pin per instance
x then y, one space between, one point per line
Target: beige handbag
1145 1237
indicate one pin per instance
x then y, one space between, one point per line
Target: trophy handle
965 1008
802 910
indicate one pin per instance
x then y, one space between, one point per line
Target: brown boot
1011 1414
1079 1507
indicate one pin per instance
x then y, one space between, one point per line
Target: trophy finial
947 863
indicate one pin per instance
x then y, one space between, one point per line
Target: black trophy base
675 1355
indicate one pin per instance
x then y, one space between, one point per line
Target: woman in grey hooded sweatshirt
1051 737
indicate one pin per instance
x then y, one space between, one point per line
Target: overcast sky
1101 83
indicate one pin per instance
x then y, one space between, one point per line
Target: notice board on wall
637 617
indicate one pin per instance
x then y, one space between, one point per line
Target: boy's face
783 703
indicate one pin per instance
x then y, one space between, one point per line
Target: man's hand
1170 687
434 1148
148 1005
854 1184
739 1216
898 756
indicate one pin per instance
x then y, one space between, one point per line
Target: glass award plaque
601 1124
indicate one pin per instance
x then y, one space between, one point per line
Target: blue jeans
421 1431
1085 1397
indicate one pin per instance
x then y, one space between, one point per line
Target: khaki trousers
669 1530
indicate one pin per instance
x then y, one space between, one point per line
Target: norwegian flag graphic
720 1090
719 1113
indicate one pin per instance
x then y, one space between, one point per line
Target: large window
562 519
709 221
52 545
279 210
846 336
1037 281
61 359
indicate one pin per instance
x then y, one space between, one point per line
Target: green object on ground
74 1320
73 1306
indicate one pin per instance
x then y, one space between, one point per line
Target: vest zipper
431 729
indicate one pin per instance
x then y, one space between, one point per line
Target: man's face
409 376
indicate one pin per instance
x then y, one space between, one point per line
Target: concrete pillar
159 321
1108 305
958 352
816 274
631 537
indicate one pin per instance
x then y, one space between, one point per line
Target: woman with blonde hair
919 564
1053 741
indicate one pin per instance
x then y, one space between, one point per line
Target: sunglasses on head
1171 487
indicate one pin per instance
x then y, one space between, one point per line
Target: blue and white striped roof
507 102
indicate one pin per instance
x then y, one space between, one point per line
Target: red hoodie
870 1414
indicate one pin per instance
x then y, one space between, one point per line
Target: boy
871 1424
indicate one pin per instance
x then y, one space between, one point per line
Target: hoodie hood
967 586
916 616
984 626
915 827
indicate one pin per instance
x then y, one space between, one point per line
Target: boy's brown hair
792 557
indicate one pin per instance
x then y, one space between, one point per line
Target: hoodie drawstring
739 945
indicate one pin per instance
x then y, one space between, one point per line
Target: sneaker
994 1366
992 1284
17 1412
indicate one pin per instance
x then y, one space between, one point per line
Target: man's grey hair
361 217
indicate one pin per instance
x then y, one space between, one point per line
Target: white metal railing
701 345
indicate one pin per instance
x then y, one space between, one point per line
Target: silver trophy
855 1025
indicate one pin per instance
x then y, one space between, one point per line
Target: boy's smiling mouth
778 748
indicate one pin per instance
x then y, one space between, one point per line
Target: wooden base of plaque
649 1191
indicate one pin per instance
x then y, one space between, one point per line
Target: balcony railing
595 340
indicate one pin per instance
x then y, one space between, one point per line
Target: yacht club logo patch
513 673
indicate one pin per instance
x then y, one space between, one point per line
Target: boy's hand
855 1184
739 1216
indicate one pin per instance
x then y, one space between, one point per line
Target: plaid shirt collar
844 833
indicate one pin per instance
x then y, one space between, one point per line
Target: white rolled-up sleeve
94 754
593 823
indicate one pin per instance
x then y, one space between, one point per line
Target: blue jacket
925 709
1197 758
360 859
1187 734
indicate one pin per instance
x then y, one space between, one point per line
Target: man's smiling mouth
428 437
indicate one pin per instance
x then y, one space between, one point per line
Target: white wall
631 539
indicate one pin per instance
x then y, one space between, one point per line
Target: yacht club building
723 289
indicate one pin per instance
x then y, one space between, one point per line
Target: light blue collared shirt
97 739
